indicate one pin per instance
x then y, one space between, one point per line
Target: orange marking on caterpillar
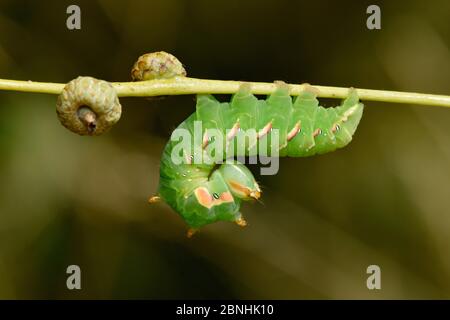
265 130
239 188
293 132
335 128
205 199
317 132
245 191
205 141
348 113
226 197
233 131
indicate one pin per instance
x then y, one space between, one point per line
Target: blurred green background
385 199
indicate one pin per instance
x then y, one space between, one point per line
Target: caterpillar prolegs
207 192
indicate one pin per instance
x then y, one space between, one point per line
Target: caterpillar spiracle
211 190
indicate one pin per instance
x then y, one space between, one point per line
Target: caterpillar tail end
154 199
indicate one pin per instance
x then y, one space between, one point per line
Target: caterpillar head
240 180
157 65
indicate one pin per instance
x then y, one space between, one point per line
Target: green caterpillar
206 192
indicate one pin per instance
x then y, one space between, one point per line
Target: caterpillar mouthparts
88 106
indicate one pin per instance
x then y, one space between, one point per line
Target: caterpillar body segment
275 113
208 191
304 127
202 195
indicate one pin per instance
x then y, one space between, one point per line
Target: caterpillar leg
191 232
154 199
309 88
241 222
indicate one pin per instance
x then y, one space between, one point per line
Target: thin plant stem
186 85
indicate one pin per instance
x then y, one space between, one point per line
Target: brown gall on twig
88 106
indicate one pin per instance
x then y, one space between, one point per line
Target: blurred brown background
383 200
